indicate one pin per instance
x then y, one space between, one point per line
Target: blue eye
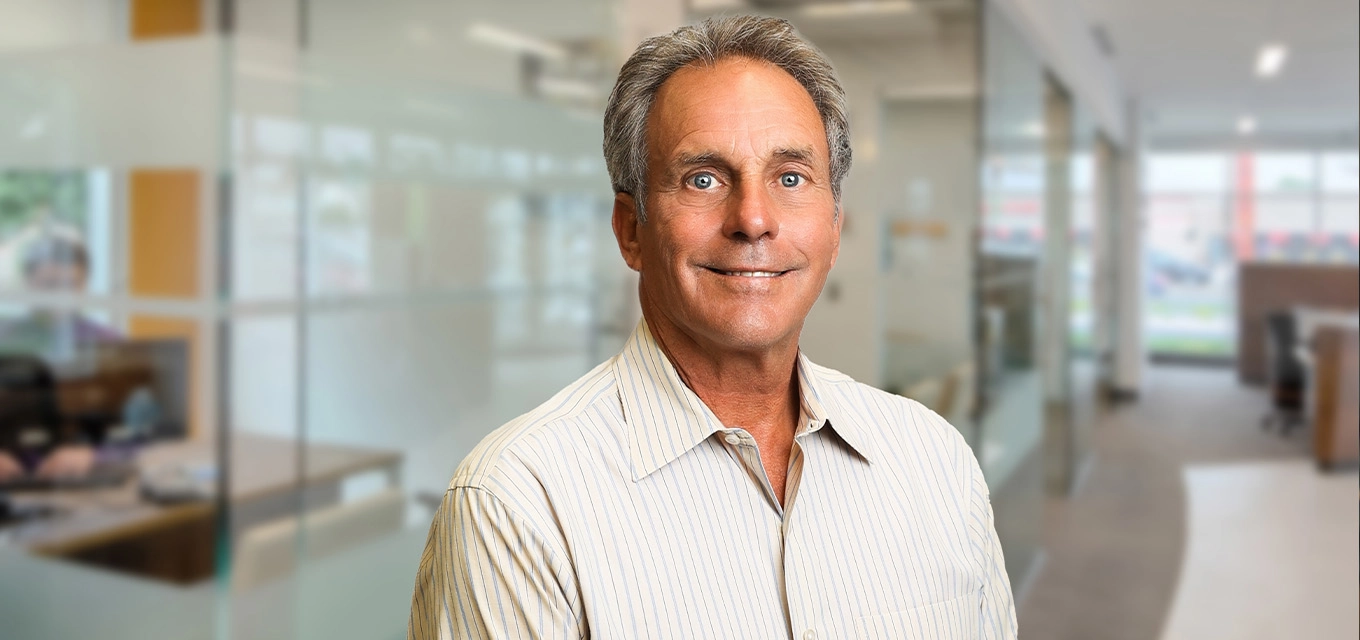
702 181
790 180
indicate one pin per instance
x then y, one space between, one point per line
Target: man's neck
753 391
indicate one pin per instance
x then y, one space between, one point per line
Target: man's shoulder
538 433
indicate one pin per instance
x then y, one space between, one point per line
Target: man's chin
749 334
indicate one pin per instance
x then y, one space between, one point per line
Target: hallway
1115 550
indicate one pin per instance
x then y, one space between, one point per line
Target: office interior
275 266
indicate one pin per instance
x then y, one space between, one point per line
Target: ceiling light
1270 60
1246 125
568 88
857 8
516 42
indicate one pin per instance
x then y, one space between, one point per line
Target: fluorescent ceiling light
857 8
568 88
516 42
1246 125
1270 60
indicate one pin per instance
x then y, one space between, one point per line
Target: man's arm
486 573
996 617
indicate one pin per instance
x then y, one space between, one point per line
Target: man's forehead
704 110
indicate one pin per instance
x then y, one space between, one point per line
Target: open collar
665 418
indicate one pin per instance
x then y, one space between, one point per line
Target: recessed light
1270 60
1246 125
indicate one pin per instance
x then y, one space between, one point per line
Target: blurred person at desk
53 263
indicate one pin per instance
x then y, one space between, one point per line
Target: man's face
741 223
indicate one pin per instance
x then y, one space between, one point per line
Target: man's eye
790 179
703 181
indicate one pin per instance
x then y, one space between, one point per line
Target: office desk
1336 404
265 484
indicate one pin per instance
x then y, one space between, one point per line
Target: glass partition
1010 273
112 509
451 239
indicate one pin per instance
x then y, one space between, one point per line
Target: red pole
1244 222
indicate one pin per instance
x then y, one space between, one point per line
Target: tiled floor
1114 549
1272 553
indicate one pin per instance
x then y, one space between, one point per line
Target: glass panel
1341 172
1340 223
1189 279
1284 173
1013 184
450 229
110 510
1187 173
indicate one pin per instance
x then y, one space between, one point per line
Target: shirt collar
824 408
665 418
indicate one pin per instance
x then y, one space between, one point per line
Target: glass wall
274 268
112 506
429 178
1010 275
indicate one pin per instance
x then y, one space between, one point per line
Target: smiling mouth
748 274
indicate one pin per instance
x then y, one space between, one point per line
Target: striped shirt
623 509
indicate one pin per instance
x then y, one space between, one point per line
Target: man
709 481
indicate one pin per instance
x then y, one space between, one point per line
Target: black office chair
1288 380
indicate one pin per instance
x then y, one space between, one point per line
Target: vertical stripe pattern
623 509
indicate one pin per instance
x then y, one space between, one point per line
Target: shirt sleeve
996 616
486 573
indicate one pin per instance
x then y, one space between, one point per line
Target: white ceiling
1192 65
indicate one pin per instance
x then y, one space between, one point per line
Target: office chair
1286 373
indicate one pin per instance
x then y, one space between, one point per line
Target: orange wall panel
165 18
163 232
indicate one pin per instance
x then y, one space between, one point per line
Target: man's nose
752 214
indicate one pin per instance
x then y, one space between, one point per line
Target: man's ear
626 230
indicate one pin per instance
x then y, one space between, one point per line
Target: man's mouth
748 274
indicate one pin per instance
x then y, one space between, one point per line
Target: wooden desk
265 484
1336 418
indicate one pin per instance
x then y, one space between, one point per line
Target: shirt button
809 635
733 439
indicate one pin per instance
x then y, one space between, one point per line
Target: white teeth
752 274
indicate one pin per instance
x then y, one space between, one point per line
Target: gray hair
767 39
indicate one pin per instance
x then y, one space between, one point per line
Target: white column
1129 352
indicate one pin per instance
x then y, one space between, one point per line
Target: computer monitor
140 382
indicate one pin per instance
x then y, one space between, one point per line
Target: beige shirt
622 509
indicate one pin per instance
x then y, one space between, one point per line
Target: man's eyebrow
799 154
686 160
